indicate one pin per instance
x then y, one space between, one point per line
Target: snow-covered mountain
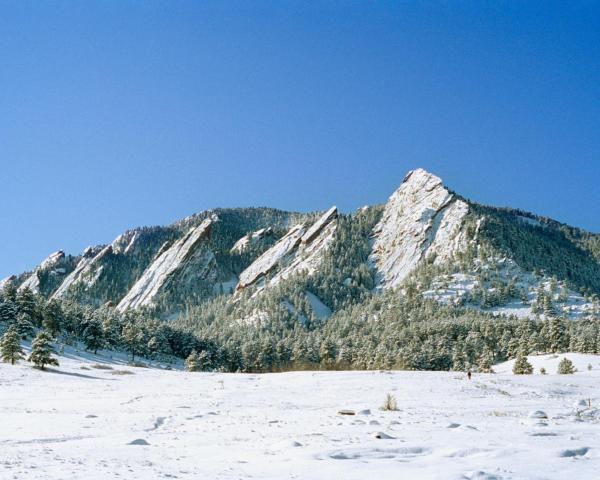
422 219
424 239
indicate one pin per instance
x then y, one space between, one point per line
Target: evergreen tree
41 351
27 304
522 365
53 317
566 367
192 362
10 346
485 364
8 313
557 335
9 293
133 337
24 326
93 335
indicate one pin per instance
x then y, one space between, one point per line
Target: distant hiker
469 374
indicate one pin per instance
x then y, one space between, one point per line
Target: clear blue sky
116 114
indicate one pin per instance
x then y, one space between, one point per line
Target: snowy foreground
81 422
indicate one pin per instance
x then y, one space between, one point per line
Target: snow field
121 422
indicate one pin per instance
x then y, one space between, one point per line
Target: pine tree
10 346
24 326
548 307
53 317
8 313
485 364
133 337
26 304
566 367
41 351
192 362
9 293
557 335
522 365
93 335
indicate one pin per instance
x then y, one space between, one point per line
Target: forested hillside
429 280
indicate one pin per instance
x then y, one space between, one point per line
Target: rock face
125 242
300 249
183 259
49 264
6 281
269 260
84 269
247 240
420 219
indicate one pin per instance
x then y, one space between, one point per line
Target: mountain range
425 237
428 280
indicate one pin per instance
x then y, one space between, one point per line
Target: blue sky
119 114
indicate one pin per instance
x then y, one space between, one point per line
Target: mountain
425 236
427 253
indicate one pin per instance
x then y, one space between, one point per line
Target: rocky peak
269 260
420 219
125 242
52 261
300 249
182 259
88 258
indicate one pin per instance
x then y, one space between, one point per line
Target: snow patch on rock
320 310
250 239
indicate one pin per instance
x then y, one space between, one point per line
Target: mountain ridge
422 224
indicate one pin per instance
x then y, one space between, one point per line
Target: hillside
427 280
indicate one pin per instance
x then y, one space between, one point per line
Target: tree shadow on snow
73 374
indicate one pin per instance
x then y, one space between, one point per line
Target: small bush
543 371
122 372
589 366
137 364
565 367
100 366
389 405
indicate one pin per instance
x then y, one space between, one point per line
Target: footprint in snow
402 454
481 475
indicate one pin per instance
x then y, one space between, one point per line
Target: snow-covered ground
82 422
